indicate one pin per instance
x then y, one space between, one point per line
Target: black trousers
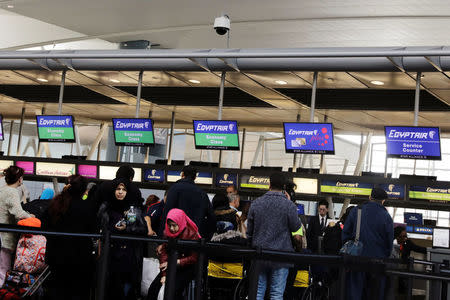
184 276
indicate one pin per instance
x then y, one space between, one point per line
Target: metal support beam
138 95
416 107
219 114
118 154
97 140
294 163
241 162
258 149
61 92
172 126
10 137
40 145
147 153
313 97
344 168
19 141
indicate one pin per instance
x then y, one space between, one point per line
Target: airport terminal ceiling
259 100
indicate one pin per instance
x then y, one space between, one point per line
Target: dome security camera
222 24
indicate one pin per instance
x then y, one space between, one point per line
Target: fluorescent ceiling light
42 80
10 6
194 81
281 82
377 82
114 80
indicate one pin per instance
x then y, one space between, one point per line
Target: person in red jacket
178 226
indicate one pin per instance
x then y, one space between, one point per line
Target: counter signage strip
216 135
255 182
204 178
413 142
173 176
429 193
27 166
306 185
1 128
88 171
154 175
313 138
394 191
4 164
133 132
55 128
226 179
54 169
109 173
346 188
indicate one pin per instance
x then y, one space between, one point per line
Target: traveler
316 226
226 217
405 244
10 212
232 189
122 214
234 202
178 226
102 194
191 199
271 220
24 194
39 206
376 236
153 214
70 258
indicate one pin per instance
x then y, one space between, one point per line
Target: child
178 226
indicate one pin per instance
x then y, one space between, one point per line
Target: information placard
88 171
1 128
255 182
346 188
55 128
226 179
306 185
154 175
394 191
54 169
216 135
109 173
413 142
27 166
312 138
133 132
429 193
4 164
441 237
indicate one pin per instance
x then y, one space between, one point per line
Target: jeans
277 277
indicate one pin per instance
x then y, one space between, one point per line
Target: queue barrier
390 267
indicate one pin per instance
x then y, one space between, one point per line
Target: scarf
183 221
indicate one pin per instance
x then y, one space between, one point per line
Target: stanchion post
200 269
254 276
410 279
342 280
169 290
103 268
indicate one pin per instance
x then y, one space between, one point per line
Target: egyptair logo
431 134
231 126
196 175
315 132
391 187
225 176
146 124
153 172
67 121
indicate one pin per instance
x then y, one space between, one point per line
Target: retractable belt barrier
390 267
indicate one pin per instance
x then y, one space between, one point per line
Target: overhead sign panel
54 169
429 193
346 188
413 142
312 138
216 135
55 128
413 218
255 182
133 132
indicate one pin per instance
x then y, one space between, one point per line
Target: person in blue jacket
376 235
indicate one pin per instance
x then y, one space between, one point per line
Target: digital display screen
1 128
255 182
226 179
394 191
5 164
133 132
305 185
88 171
429 193
204 178
312 138
27 166
54 169
55 128
346 188
109 173
154 175
216 135
413 142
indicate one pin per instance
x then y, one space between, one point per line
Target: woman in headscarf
178 226
120 214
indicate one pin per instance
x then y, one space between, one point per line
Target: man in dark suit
316 226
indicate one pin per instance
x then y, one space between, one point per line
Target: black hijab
120 205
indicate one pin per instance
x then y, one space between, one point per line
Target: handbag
354 247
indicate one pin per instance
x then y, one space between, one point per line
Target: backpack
332 239
30 253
